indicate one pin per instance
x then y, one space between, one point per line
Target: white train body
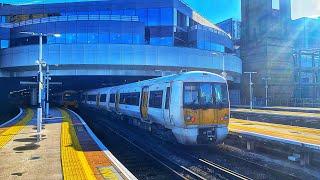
194 106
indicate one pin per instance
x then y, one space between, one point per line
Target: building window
306 61
4 44
3 19
104 38
82 38
166 16
142 14
71 38
153 17
115 37
276 4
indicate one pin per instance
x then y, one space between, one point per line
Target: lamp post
224 73
41 63
251 89
47 90
266 79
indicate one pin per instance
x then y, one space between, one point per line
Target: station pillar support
250 145
33 97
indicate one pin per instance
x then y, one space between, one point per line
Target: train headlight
190 118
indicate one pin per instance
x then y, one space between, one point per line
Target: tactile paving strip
7 133
74 162
95 157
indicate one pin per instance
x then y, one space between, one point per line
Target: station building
114 38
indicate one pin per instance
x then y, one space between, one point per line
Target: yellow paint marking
108 173
10 132
74 162
301 134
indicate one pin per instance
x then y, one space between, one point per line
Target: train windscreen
205 95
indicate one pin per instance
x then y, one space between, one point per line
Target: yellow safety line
74 162
10 132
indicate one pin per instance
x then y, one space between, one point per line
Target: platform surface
273 112
285 132
67 150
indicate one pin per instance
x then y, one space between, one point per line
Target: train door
117 101
166 110
144 103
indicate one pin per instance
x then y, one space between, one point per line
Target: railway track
136 159
181 164
204 169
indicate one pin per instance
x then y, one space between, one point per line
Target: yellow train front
206 108
67 99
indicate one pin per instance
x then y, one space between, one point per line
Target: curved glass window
115 37
153 17
166 16
71 38
82 38
104 37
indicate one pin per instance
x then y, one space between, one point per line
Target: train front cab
206 112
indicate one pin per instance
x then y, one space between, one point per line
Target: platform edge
128 175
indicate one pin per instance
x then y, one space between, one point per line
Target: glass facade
307 74
115 22
4 44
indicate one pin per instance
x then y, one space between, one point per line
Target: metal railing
293 102
71 18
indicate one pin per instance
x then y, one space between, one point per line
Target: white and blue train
193 107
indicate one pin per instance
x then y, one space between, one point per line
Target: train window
130 98
155 100
135 98
124 97
103 98
112 98
92 97
167 98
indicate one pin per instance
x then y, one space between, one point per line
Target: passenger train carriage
193 106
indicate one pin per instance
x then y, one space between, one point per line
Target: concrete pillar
33 97
250 146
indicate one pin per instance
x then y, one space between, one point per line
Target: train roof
192 76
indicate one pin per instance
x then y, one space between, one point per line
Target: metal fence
293 102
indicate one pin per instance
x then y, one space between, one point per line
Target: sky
219 10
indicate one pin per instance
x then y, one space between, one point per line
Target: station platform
277 112
285 133
68 149
282 108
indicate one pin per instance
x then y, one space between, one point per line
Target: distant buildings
233 28
285 51
306 32
266 49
